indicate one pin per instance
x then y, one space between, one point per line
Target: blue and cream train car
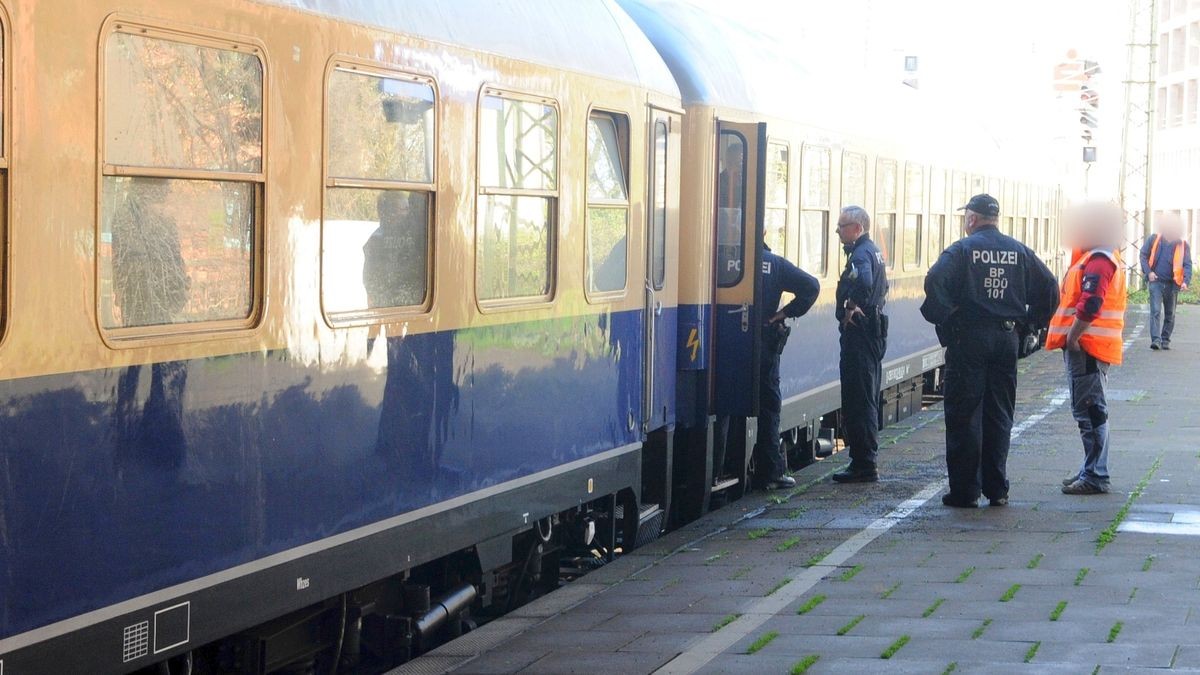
303 295
328 324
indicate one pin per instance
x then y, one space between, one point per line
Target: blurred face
1093 225
848 231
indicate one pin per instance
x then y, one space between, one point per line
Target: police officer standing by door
778 276
983 294
861 294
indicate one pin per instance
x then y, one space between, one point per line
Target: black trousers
767 449
981 390
861 366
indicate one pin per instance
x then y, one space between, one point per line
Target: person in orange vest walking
1088 328
1167 266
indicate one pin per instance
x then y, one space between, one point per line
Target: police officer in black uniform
778 276
984 294
861 295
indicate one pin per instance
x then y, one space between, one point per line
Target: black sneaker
1081 488
1070 479
781 483
998 501
950 500
1155 346
852 475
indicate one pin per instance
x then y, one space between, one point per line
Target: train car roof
594 37
722 63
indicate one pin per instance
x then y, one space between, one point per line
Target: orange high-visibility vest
1103 338
1176 264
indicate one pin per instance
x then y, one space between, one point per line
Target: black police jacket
779 276
864 281
989 276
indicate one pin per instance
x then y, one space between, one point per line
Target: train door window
375 234
731 207
937 214
607 202
775 234
182 186
914 208
854 180
958 198
814 214
518 198
658 205
886 180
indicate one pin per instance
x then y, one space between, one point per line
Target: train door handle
658 308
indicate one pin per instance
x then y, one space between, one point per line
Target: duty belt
1006 325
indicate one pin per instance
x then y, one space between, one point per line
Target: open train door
741 189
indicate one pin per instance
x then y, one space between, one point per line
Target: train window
607 202
854 180
182 191
658 206
937 214
375 234
731 208
518 196
958 198
776 216
814 214
886 179
914 208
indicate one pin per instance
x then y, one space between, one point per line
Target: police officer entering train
778 276
861 294
985 294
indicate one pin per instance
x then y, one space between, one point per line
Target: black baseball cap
983 204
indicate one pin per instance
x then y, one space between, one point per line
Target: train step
651 519
723 484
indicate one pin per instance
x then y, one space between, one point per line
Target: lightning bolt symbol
693 342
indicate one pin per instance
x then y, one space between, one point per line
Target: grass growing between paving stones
888 593
812 604
932 608
728 619
1035 561
762 641
781 584
741 573
796 513
850 573
950 668
1058 610
759 533
1115 631
1083 572
816 558
1146 565
1032 652
777 499
966 574
850 626
787 544
1106 537
895 647
1010 593
804 664
978 632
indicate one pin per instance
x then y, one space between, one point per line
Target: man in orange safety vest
1167 266
1088 328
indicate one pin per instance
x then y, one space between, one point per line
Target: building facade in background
1176 169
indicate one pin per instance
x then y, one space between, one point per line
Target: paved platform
883 578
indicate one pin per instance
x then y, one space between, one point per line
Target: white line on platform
805 578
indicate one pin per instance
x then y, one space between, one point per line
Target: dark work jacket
779 276
989 276
1164 265
864 281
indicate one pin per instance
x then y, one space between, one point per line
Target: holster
777 335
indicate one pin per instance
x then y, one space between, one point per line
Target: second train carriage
772 153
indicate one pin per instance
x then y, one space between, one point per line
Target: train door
661 283
741 168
